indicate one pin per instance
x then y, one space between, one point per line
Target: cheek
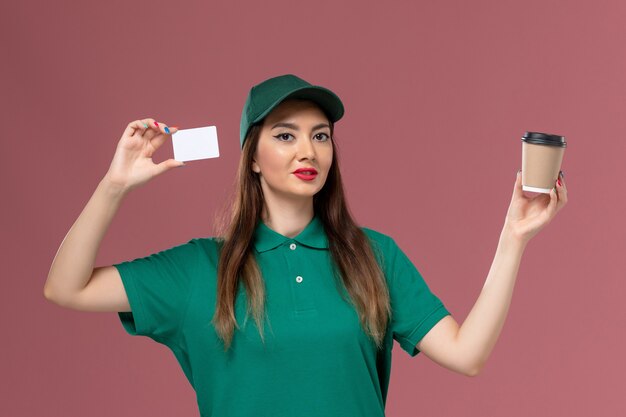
274 163
328 159
277 162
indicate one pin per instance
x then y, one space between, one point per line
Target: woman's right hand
132 163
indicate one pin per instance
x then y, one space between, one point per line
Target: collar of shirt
313 235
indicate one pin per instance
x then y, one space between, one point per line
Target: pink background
437 95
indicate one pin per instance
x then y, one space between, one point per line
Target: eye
323 134
282 135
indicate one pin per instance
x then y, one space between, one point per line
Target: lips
306 174
306 171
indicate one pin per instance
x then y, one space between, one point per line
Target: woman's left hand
528 215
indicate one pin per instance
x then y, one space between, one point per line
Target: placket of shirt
300 282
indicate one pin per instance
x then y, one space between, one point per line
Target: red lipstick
307 174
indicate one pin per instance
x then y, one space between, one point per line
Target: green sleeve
158 287
415 309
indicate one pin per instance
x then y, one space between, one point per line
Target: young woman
327 296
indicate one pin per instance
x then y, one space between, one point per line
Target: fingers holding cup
561 190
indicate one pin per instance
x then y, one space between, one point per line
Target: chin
306 193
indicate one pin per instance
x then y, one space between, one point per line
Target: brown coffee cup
542 155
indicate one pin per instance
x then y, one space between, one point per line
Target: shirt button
298 279
292 246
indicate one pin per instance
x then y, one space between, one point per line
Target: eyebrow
295 127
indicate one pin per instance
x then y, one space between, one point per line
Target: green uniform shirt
316 361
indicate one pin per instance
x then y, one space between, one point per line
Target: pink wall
437 95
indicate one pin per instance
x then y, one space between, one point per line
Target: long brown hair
360 273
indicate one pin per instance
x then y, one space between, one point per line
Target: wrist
511 238
112 188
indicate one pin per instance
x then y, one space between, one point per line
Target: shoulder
208 246
383 245
386 249
377 237
210 243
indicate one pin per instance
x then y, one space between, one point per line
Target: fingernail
167 129
561 174
559 181
145 125
156 123
174 127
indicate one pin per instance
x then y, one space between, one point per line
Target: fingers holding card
196 143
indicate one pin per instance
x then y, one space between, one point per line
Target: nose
306 149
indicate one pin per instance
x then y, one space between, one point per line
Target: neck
288 218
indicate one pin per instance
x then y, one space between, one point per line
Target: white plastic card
196 143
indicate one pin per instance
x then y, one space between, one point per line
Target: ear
255 167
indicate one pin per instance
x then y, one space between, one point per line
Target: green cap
263 97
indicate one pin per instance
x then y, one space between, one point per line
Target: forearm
73 264
480 330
